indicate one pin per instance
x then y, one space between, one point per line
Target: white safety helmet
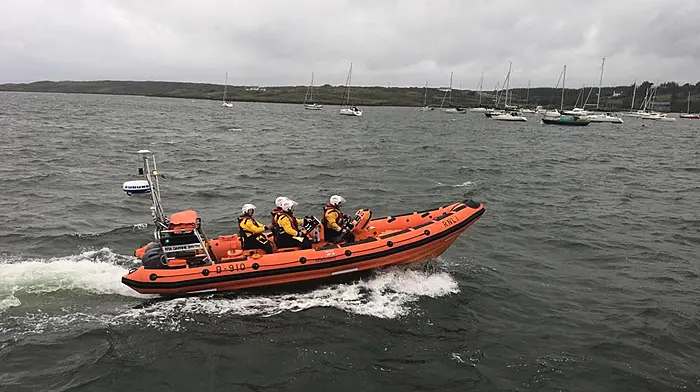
280 200
288 205
248 208
337 200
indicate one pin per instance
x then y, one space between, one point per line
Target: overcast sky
404 42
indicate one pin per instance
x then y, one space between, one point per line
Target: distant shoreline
616 98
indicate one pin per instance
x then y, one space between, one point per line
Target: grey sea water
583 274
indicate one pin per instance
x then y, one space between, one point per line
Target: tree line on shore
670 95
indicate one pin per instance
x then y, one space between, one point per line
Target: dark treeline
670 96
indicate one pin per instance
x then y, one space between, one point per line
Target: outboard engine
154 257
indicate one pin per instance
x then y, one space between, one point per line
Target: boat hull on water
381 242
313 106
509 117
690 116
566 121
657 117
350 112
493 112
456 111
605 118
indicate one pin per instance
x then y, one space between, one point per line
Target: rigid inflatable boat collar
392 248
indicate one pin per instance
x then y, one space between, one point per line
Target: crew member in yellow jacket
335 222
251 231
290 231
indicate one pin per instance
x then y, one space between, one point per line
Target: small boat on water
605 118
426 107
566 120
576 112
688 115
224 102
559 117
349 110
309 103
507 108
451 109
493 112
456 110
656 117
181 259
509 116
479 108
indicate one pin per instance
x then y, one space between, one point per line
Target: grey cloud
402 42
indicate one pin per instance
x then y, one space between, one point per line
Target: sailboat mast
600 84
225 87
510 65
349 82
634 94
425 96
450 101
527 97
497 93
646 99
481 86
312 88
688 111
563 82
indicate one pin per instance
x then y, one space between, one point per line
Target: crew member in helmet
252 231
334 221
277 211
290 231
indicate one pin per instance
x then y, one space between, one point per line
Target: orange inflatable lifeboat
183 260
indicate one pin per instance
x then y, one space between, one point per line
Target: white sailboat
496 99
606 117
451 110
651 114
349 110
310 97
527 100
688 115
426 107
642 111
510 112
479 109
509 116
503 92
224 102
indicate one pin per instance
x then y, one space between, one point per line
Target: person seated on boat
288 228
335 228
251 231
276 211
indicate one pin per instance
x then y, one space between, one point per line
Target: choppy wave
95 272
464 184
387 294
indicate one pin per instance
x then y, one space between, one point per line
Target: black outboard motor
154 257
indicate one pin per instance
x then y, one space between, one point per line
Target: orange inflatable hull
391 240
